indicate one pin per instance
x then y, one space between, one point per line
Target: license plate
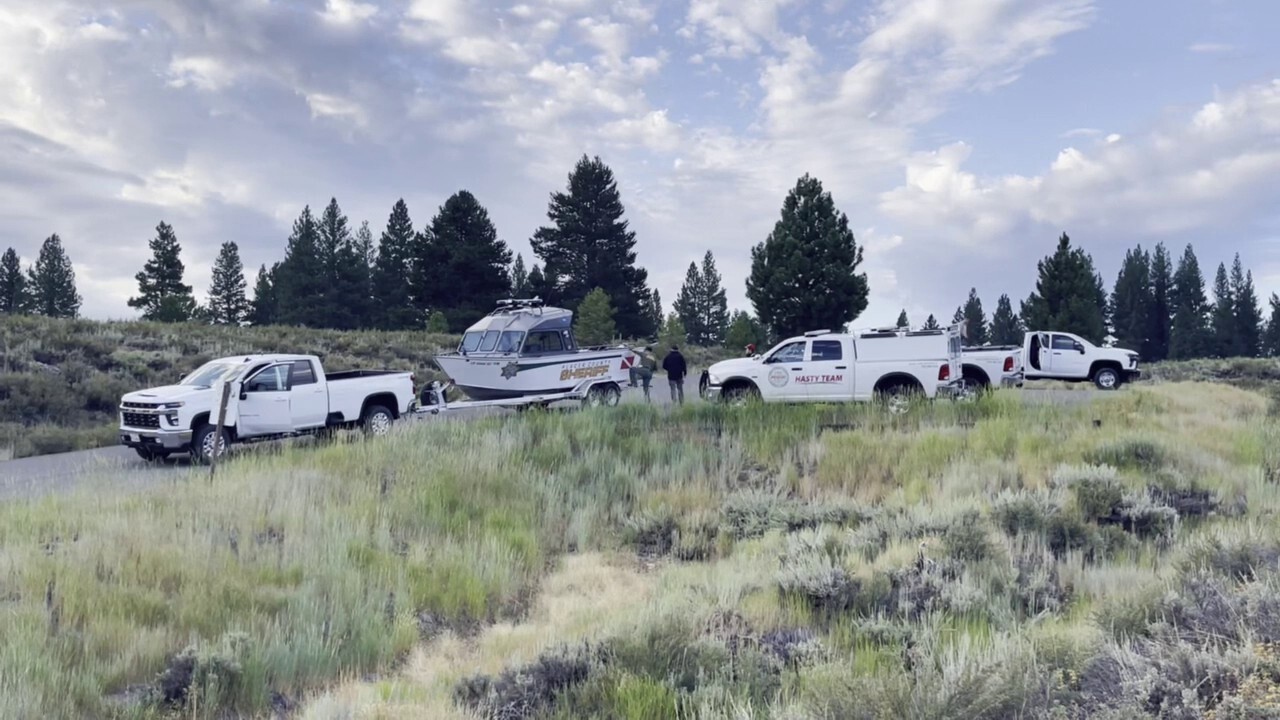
133 437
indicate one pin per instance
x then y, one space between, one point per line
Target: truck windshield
212 373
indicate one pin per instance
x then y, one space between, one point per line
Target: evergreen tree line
804 276
1155 308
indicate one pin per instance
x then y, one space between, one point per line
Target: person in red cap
751 349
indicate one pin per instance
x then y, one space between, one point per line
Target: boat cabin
521 327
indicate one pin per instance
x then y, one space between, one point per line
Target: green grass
788 562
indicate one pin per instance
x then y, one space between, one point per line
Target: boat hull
504 377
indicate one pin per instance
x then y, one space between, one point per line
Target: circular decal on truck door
778 377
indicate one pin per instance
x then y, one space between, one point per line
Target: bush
1133 454
1025 512
524 692
968 538
753 513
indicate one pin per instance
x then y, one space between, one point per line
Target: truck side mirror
1080 348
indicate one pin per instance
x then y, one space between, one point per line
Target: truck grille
141 420
140 406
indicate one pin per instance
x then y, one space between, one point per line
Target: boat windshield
212 373
510 341
489 340
470 342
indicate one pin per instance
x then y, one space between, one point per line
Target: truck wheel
897 398
1107 378
377 421
207 442
740 396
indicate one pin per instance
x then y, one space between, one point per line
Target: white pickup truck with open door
891 364
1070 358
271 396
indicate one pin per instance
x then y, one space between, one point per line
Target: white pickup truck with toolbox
271 396
1051 355
891 364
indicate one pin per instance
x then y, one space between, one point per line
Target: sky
961 137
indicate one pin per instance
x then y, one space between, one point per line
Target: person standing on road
676 369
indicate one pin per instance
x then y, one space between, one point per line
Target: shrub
753 513
1098 497
811 569
1131 454
968 539
526 691
1025 512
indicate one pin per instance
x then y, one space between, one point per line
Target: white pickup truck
821 366
1051 355
272 396
991 366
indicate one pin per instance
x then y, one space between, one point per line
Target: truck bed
355 374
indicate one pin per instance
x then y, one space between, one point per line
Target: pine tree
975 320
743 331
394 302
931 324
538 286
344 302
1131 301
52 282
1160 309
367 256
958 316
1247 340
653 312
519 278
299 280
689 305
903 322
162 296
594 319
1006 326
469 263
1224 315
1069 295
1271 340
13 285
264 308
1189 336
715 302
804 276
227 302
589 245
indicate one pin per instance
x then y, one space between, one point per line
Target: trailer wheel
602 396
377 421
612 395
207 442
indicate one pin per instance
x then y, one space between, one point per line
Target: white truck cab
1053 355
822 366
271 396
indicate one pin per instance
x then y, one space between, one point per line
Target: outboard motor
433 394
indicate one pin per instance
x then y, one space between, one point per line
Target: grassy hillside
61 380
995 560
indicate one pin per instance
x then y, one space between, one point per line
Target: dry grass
1001 559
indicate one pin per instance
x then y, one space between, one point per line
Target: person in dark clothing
676 369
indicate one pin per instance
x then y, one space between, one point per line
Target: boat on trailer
524 352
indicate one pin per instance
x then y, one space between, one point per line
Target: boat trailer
598 392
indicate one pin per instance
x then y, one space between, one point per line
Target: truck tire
1107 378
206 441
740 395
377 421
897 398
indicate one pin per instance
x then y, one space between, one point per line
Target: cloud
345 13
225 117
1211 48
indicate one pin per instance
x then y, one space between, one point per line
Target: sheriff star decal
509 370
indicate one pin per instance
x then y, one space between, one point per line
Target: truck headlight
172 405
713 379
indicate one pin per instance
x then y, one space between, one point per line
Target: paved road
118 466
